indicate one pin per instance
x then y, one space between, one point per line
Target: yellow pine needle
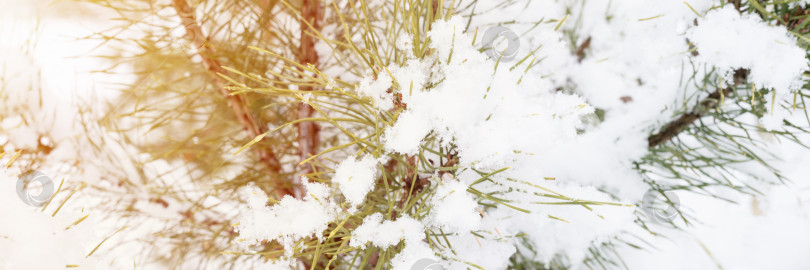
693 9
392 76
315 197
251 143
795 94
68 198
761 9
317 253
561 22
105 240
53 196
553 217
13 158
753 93
77 222
526 57
650 18
706 249
531 63
475 36
340 225
344 250
271 200
336 148
223 76
337 252
800 37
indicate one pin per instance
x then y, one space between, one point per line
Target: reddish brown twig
675 127
414 183
195 34
307 130
580 53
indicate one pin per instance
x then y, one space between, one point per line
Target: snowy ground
770 232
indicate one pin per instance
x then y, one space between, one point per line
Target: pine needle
13 158
105 240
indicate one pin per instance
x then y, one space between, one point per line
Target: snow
632 70
356 178
453 209
487 253
387 233
377 90
735 236
31 239
289 220
417 254
472 105
729 40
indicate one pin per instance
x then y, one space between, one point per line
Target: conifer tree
438 134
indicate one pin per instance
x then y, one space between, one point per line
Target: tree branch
195 34
308 130
675 127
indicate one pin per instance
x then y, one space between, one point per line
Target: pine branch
675 127
308 131
235 102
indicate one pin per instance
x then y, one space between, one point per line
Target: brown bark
237 104
311 13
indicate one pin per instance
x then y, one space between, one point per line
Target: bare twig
307 130
580 53
235 102
675 127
